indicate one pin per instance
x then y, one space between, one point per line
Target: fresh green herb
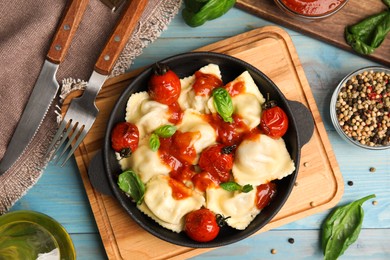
197 12
223 104
234 186
131 184
342 228
367 35
154 142
165 131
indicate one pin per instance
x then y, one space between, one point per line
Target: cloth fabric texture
26 31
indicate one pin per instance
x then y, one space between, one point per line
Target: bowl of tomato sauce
104 170
310 10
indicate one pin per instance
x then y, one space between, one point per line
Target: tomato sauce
175 113
205 83
204 180
179 190
312 7
235 88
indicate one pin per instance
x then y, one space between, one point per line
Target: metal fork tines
78 120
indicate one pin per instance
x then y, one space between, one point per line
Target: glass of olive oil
32 235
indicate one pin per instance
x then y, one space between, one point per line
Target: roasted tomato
264 194
274 121
201 225
218 161
164 85
124 138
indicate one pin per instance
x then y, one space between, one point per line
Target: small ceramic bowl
34 235
360 108
309 11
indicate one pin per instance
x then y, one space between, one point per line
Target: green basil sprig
164 131
197 12
367 35
342 228
131 184
234 186
223 104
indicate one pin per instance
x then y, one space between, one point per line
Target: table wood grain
60 192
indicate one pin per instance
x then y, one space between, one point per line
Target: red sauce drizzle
178 153
312 7
205 83
175 113
228 133
204 180
235 88
179 190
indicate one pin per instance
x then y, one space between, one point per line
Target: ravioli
194 122
161 206
188 98
240 207
261 159
145 162
145 113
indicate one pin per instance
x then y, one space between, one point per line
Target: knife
46 86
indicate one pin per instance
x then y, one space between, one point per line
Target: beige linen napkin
26 30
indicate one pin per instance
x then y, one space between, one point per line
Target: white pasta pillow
249 84
145 113
145 162
193 121
188 98
261 159
240 207
160 205
248 108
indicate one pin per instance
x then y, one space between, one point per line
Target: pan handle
304 119
97 175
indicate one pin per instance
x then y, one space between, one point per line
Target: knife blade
46 86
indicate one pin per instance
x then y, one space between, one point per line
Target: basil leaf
386 2
223 104
197 12
234 186
230 186
247 188
165 131
367 35
131 184
154 142
342 228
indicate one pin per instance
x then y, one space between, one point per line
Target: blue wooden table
60 192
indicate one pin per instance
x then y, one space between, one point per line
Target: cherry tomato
164 85
264 195
218 161
124 138
201 225
274 121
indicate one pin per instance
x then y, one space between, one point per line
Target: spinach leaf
367 35
131 184
342 228
223 104
197 12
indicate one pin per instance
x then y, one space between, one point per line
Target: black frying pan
104 168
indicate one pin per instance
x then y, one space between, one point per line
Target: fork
82 111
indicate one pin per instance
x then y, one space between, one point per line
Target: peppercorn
363 108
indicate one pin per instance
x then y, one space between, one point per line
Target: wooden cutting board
319 184
331 29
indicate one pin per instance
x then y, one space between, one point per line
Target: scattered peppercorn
291 240
374 202
273 251
350 183
372 169
363 108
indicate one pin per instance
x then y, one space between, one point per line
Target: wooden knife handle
66 30
119 38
